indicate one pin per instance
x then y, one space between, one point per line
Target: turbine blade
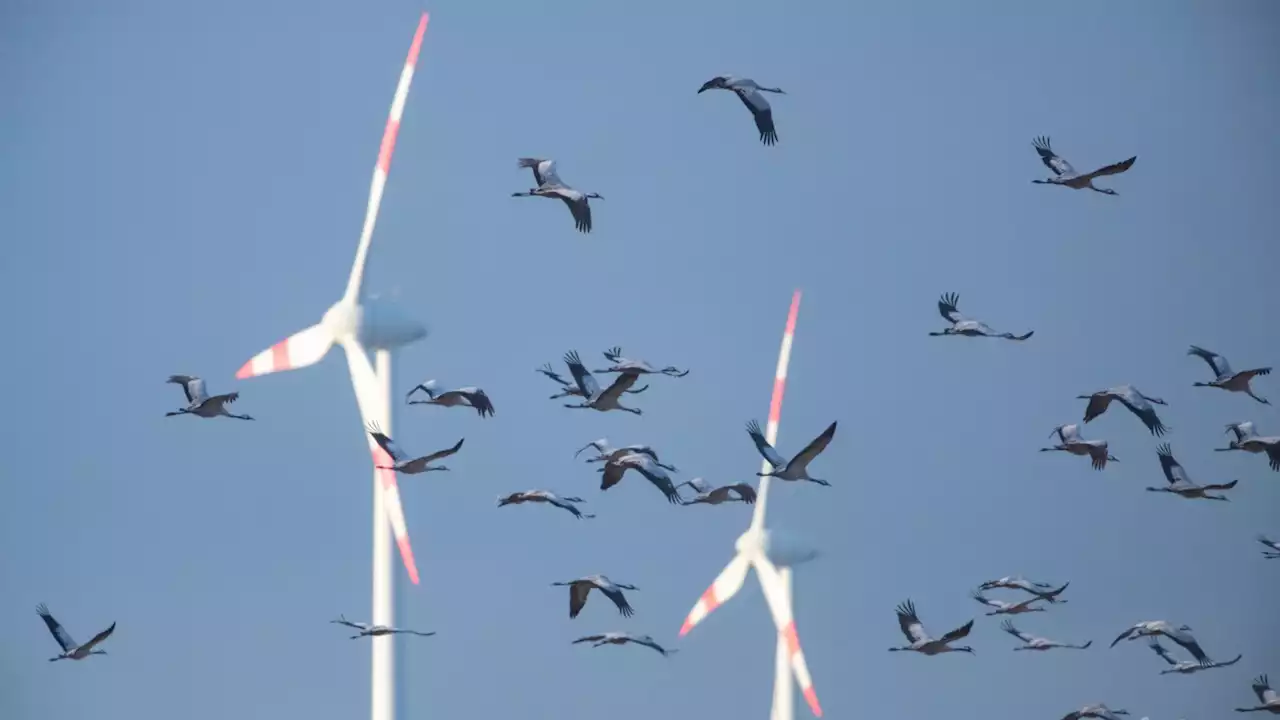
775 407
783 697
722 589
373 408
298 350
778 598
383 166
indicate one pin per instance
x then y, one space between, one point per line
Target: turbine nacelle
377 324
780 548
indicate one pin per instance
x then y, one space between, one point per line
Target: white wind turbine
753 551
358 323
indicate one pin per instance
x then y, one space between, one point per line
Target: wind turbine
752 551
358 322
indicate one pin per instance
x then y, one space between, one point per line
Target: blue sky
183 185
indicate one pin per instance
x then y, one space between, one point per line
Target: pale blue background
183 183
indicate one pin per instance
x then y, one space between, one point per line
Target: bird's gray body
1180 484
1225 378
71 650
796 468
200 403
1064 174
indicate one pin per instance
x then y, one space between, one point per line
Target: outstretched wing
439 454
551 373
761 111
947 308
698 484
1051 159
762 445
601 446
657 476
59 634
621 384
388 445
1069 434
192 387
1115 168
815 447
1008 627
909 622
93 641
1217 363
1173 471
580 209
985 600
1263 690
1160 650
1098 404
479 400
744 491
958 633
586 382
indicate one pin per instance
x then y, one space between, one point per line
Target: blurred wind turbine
775 580
356 322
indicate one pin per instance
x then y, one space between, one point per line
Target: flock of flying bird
615 462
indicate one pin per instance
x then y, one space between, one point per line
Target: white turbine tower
359 323
753 551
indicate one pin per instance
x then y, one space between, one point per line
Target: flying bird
797 468
544 496
1100 711
404 463
1131 398
606 453
646 466
1004 608
749 93
621 638
640 367
551 186
571 389
1273 548
1225 377
1015 582
597 399
961 325
579 590
919 638
200 403
1064 174
471 397
1248 440
1181 635
1070 441
71 650
1031 642
1268 697
1186 667
367 630
707 495
1180 483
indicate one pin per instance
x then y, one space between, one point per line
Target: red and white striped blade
383 165
779 602
725 586
298 350
775 406
372 407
